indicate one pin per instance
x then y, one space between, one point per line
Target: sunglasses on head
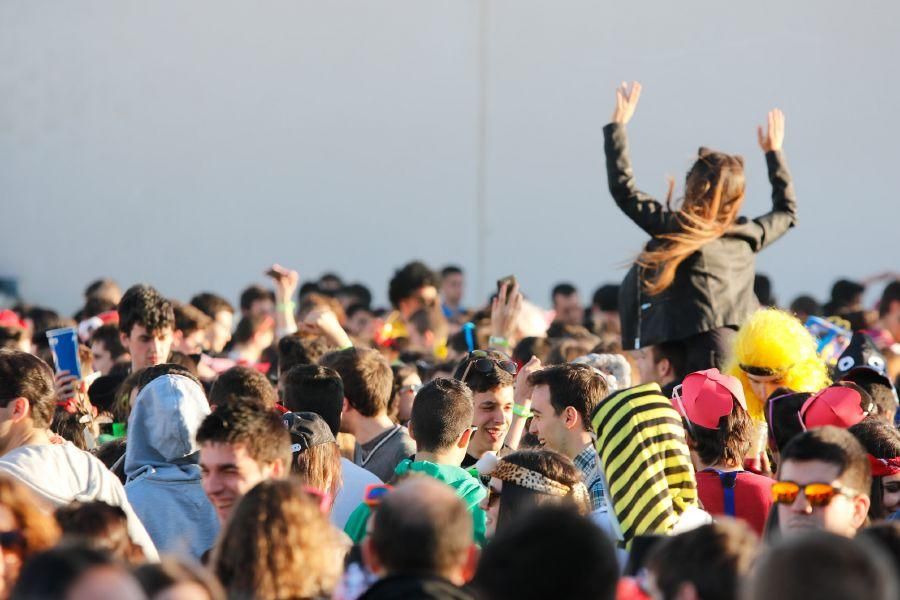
484 363
679 403
374 494
817 494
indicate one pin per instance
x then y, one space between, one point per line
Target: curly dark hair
260 430
413 276
143 305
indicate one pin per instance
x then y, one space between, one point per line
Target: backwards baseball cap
838 405
706 396
307 430
861 359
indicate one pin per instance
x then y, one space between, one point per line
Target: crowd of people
681 437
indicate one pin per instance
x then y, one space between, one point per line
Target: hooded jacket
60 474
467 487
161 464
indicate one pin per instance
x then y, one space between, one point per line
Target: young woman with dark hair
529 478
693 281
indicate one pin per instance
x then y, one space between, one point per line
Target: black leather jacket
714 286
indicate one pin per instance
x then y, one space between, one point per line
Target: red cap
835 405
707 396
9 318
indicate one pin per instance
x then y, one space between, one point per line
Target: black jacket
411 587
714 286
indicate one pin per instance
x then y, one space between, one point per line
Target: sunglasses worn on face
493 496
817 494
484 363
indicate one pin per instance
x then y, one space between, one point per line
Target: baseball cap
838 405
307 430
707 396
9 318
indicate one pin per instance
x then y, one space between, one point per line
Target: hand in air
774 136
626 102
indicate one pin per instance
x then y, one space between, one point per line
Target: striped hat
640 440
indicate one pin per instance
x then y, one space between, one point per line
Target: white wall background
190 144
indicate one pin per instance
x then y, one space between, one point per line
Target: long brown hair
713 195
320 467
277 544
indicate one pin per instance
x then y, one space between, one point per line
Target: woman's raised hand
626 102
774 136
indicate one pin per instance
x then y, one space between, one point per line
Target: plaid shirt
588 462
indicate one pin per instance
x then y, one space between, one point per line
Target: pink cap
835 405
707 396
9 318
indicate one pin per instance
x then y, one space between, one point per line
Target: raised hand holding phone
505 310
286 282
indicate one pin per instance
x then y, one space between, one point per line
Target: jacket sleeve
783 216
647 213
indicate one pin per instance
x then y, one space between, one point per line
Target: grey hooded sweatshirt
60 474
161 464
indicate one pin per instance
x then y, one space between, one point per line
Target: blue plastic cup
64 345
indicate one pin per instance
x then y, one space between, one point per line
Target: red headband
882 467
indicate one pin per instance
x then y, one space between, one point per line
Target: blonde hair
278 544
778 342
713 195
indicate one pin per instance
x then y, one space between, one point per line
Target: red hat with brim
836 405
707 396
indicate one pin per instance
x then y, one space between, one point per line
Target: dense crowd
680 437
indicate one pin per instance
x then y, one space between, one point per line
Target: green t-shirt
464 483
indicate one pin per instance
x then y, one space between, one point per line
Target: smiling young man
490 376
823 483
146 326
241 444
563 399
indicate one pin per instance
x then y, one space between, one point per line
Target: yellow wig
773 339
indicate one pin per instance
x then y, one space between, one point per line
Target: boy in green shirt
441 426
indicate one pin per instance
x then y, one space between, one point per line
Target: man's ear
570 417
21 409
279 469
410 431
663 368
370 557
687 591
471 564
345 407
861 505
463 441
125 341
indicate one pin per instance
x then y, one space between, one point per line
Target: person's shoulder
750 479
351 471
